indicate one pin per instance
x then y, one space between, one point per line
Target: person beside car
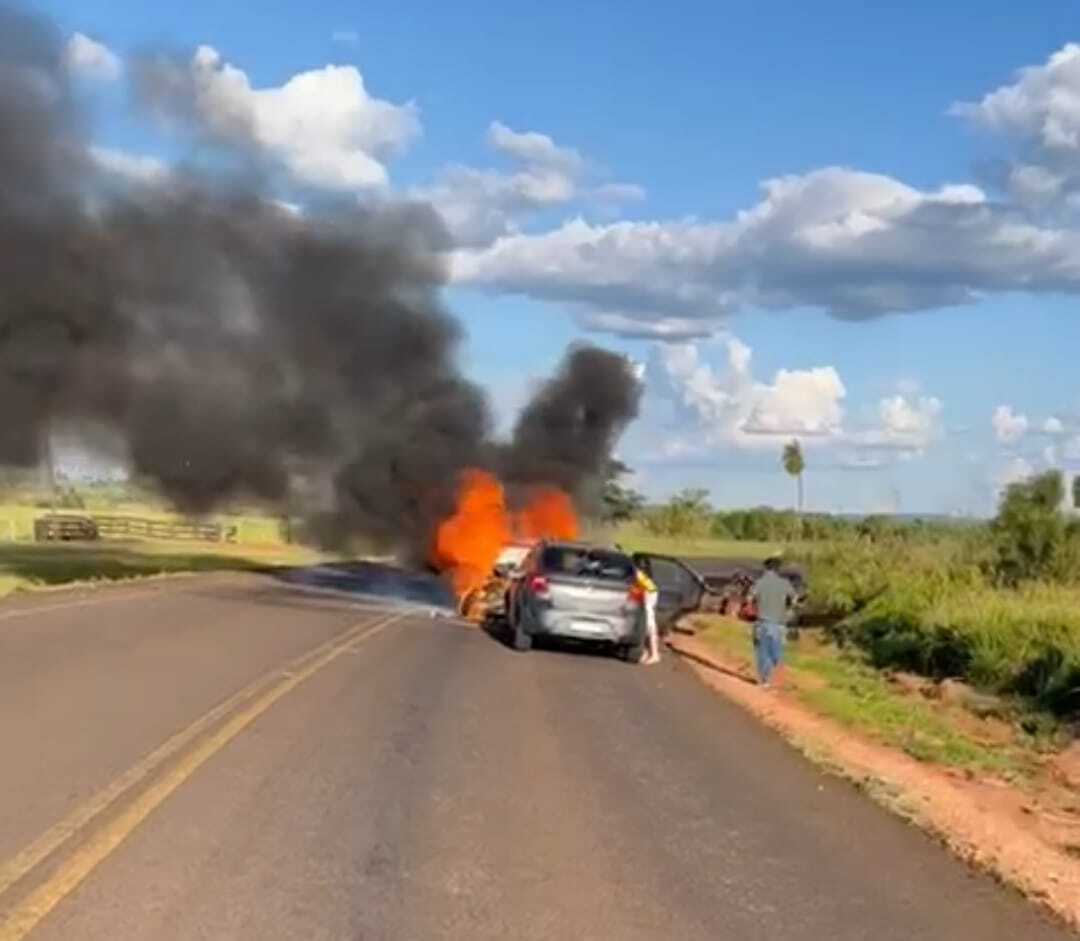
650 594
773 597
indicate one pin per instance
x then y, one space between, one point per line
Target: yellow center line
51 840
24 916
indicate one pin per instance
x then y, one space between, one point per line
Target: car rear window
592 563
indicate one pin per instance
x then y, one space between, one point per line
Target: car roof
582 546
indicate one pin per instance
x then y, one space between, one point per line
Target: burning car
575 591
488 600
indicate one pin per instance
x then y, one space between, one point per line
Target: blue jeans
768 647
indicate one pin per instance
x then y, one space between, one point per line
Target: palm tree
795 464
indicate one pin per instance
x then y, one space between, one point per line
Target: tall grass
1024 641
933 608
638 538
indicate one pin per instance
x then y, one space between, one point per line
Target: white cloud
1008 425
1035 186
1041 110
1053 426
799 402
480 205
667 328
92 59
483 205
618 193
906 423
725 408
730 407
1042 105
531 147
322 125
856 244
139 168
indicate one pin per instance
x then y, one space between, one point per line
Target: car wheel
632 653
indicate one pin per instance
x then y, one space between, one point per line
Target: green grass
26 565
30 567
929 607
846 689
635 537
1024 642
17 520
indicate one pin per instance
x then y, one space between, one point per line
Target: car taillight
538 585
636 594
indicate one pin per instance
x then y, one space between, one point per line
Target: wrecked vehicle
488 601
579 592
685 586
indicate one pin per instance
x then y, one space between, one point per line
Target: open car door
680 588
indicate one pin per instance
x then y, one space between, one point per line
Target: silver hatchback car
576 591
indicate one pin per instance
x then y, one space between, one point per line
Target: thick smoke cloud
242 350
566 434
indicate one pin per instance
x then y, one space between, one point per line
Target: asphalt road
412 778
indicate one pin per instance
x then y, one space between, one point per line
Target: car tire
519 639
632 653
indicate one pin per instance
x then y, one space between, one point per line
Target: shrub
685 514
1025 641
1029 530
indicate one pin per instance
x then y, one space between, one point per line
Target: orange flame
467 543
548 515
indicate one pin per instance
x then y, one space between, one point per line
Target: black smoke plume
565 435
241 350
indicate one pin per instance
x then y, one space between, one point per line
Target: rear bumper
626 629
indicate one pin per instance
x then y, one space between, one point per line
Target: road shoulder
980 818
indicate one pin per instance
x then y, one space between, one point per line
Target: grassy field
17 521
930 609
30 567
927 605
843 686
636 538
25 565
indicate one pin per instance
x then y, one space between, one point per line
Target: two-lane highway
237 758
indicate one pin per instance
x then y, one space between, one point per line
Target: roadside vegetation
995 604
257 540
928 722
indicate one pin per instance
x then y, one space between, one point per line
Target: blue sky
602 168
